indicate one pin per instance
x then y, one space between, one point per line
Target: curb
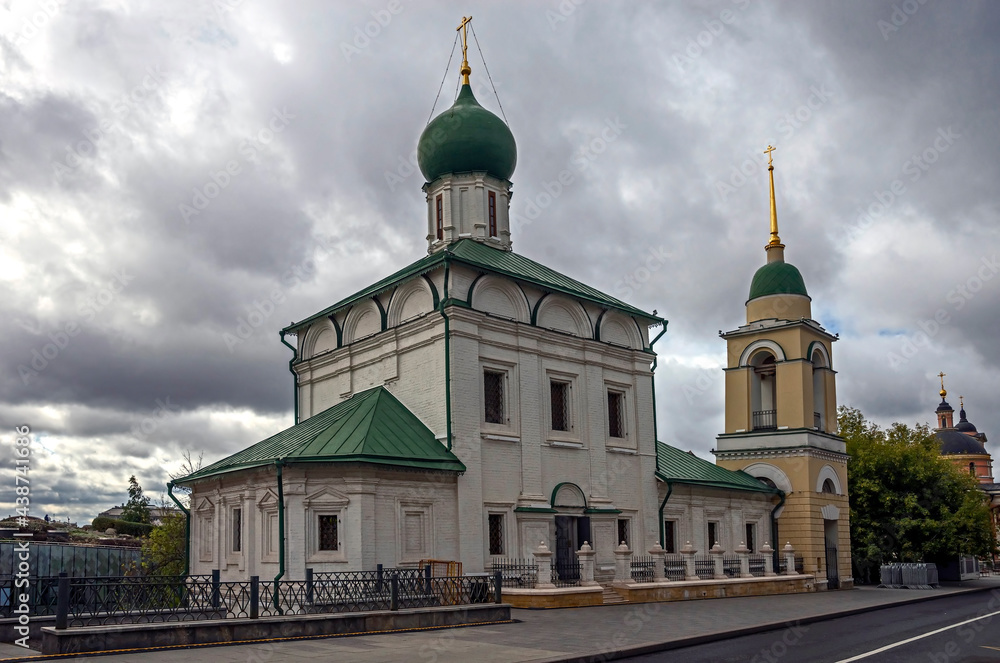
668 645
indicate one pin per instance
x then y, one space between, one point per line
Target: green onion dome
777 278
466 138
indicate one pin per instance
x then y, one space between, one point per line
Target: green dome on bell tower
466 138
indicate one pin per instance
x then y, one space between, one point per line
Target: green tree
163 549
908 504
136 510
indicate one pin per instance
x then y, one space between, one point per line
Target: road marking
919 637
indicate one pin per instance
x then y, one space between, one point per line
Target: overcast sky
128 253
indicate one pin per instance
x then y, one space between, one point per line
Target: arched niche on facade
499 297
363 320
412 299
321 337
620 330
565 315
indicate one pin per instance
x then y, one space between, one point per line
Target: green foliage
136 510
908 504
101 523
163 551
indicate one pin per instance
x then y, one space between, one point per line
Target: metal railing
139 600
516 573
758 565
566 574
673 566
765 420
731 566
704 567
642 568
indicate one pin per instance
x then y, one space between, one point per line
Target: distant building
156 514
965 446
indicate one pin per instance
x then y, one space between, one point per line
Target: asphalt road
946 630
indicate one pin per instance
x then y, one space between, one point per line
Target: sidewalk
553 635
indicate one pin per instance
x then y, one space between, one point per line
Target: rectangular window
328 533
493 214
669 538
751 536
493 396
616 414
559 396
496 533
623 531
713 534
237 530
440 217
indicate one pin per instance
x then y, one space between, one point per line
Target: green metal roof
466 138
479 256
777 278
678 466
370 427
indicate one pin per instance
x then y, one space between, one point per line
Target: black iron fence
758 565
566 573
731 566
673 566
704 567
642 568
147 599
514 572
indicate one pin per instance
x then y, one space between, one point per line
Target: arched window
972 469
767 482
819 390
829 488
763 393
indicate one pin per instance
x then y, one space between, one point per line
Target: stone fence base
556 597
88 639
713 589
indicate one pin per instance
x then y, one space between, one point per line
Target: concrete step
611 597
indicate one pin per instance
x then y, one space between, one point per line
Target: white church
466 408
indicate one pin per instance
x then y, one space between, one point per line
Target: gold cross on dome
466 69
770 148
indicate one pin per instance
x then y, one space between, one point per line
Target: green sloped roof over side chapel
370 427
676 466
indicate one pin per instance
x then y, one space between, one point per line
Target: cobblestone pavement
544 635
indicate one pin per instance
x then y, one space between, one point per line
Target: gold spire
775 240
943 392
466 69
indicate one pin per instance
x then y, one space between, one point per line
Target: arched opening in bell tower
763 391
819 390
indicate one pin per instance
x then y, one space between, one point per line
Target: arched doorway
572 529
763 392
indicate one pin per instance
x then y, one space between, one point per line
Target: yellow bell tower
781 414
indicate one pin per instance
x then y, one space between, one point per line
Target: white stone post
689 552
744 554
623 563
543 558
717 552
658 554
768 552
790 560
586 556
